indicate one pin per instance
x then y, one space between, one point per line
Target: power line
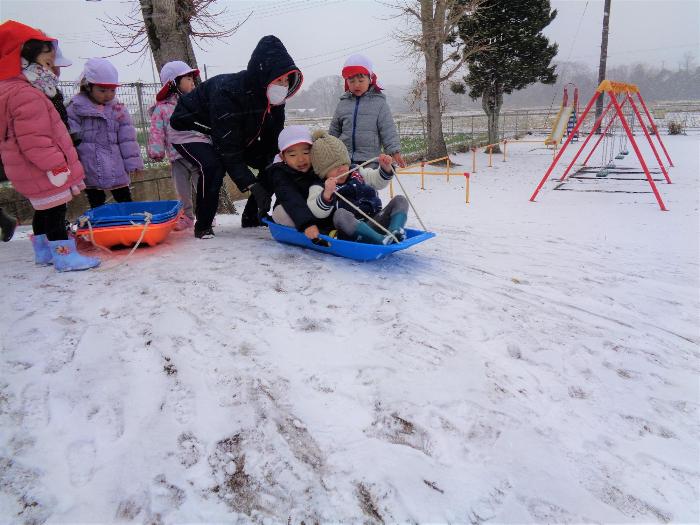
631 51
334 57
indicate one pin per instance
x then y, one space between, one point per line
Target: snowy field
534 363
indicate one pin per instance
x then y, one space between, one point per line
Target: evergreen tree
517 54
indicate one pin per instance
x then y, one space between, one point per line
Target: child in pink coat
37 152
178 79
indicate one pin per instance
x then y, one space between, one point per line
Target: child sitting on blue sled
331 162
292 176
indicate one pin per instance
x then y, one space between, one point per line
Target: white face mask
276 94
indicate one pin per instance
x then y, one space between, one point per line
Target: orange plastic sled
129 235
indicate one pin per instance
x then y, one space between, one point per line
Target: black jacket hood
269 61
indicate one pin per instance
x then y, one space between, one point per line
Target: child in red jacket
37 151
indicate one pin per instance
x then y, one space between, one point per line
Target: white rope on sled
358 209
396 176
147 221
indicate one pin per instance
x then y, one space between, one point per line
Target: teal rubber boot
67 259
396 224
42 250
365 233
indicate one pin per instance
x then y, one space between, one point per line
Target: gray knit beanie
327 152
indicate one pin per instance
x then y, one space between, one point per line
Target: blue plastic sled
359 251
128 213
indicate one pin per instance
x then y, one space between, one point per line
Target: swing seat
123 223
625 152
619 156
357 251
602 173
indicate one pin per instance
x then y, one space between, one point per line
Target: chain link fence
461 130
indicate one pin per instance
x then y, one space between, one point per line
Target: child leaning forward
291 179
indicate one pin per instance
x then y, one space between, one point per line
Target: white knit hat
99 71
292 135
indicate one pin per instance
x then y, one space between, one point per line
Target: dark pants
250 216
202 155
51 222
97 197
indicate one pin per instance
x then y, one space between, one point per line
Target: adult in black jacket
243 113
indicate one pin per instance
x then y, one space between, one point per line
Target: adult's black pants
202 155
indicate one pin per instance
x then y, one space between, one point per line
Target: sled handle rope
147 221
382 228
396 176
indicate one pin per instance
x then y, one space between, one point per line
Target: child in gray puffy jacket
362 119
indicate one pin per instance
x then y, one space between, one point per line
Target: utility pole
205 72
603 57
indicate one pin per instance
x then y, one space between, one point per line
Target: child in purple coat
108 149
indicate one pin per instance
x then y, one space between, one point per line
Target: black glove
263 199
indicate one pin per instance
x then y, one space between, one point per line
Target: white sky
320 34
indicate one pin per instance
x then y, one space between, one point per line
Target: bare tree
325 92
688 60
444 53
167 28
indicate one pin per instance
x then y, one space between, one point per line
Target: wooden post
473 159
422 175
505 141
490 156
466 177
448 169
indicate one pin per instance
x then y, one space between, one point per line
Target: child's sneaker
400 234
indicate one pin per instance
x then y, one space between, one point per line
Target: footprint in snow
80 456
400 431
165 496
487 507
60 355
189 449
108 419
35 406
181 401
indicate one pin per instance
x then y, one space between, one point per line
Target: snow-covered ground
535 362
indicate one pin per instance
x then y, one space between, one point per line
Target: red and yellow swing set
628 91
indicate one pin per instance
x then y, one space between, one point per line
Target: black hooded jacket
233 108
292 189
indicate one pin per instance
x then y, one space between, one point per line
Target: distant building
302 112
